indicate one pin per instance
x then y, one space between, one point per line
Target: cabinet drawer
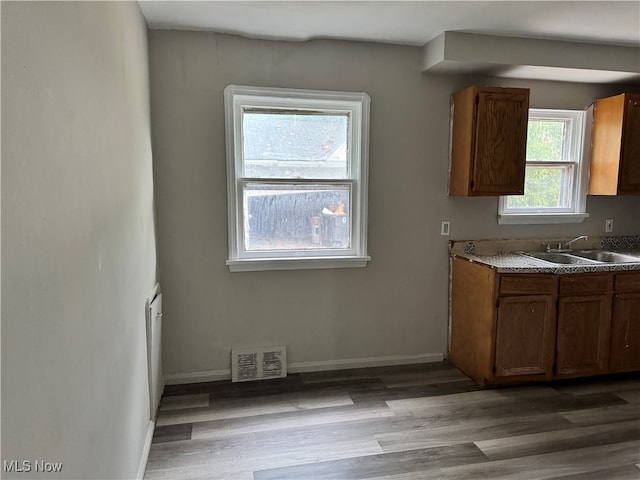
628 282
585 284
528 284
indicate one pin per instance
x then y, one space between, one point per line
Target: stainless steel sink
583 257
561 258
604 256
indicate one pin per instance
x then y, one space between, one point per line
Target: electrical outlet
445 228
608 225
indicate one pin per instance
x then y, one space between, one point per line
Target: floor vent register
259 363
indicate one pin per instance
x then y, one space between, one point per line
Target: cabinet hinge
477 99
498 303
494 369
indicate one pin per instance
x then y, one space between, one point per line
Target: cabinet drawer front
528 284
628 282
585 284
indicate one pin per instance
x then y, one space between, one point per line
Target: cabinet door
625 333
629 180
584 328
525 333
500 143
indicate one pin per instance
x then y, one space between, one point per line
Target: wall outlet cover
608 225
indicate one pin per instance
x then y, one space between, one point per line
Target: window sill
309 263
540 218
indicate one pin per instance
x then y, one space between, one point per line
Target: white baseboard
304 367
347 363
145 451
197 377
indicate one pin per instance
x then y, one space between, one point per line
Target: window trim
579 145
239 97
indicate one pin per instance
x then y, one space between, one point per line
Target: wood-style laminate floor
398 423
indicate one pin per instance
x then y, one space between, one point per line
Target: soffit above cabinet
530 58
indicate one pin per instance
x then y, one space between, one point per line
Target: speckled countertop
503 256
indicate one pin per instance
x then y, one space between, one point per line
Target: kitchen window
297 166
556 173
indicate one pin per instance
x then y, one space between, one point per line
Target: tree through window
554 182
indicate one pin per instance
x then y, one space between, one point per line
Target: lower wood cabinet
625 323
584 324
502 326
584 329
625 333
524 336
511 328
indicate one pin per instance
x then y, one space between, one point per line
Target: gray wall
397 306
78 256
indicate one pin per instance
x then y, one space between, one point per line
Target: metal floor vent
258 363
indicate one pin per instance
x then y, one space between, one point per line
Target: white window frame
576 150
356 105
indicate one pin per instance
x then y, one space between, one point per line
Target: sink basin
604 256
562 258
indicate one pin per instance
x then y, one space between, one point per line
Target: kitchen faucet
565 247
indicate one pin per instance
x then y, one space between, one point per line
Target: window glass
296 217
546 140
544 187
295 144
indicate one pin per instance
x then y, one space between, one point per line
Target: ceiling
402 22
577 41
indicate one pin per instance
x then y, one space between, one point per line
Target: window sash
566 194
567 152
299 167
240 99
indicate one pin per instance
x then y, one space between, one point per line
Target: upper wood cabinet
488 141
615 146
